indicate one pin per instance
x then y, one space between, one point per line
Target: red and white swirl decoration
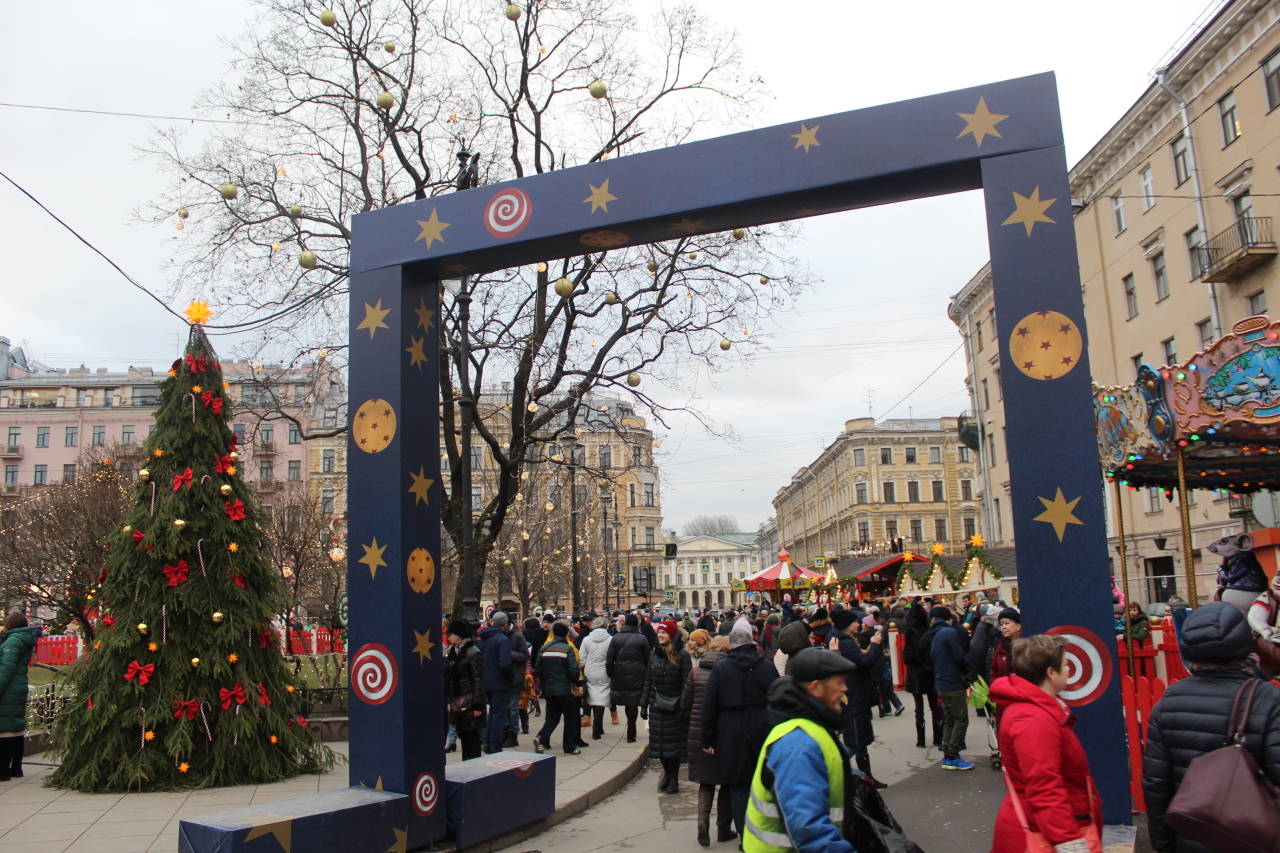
508 213
425 795
374 674
520 766
1088 665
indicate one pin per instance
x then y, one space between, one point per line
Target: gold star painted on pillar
373 557
373 317
424 315
981 122
600 197
458 269
807 137
1058 512
432 229
402 841
424 646
421 483
687 225
1029 210
281 828
416 355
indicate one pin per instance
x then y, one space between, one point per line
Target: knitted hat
631 620
560 629
739 636
940 612
1011 614
670 626
461 628
842 619
498 619
821 613
700 636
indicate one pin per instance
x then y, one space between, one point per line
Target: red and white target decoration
1088 665
508 213
374 675
488 611
425 795
520 766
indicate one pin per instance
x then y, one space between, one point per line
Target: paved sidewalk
36 819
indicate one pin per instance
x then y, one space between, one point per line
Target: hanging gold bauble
633 379
602 483
764 279
386 101
653 266
183 213
739 233
217 618
337 554
598 89
128 528
693 256
230 191
573 325
513 12
507 563
295 210
179 523
234 456
195 661
389 47
144 475
307 260
328 18
524 559
564 287
611 297
725 344
225 488
142 628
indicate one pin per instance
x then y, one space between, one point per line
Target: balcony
1233 253
267 485
10 451
264 448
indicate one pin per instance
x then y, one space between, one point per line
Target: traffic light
668 551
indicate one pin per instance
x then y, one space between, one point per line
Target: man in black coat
863 691
626 664
519 657
1191 718
735 717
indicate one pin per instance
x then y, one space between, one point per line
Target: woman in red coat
1043 759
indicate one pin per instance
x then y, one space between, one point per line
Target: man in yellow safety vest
797 796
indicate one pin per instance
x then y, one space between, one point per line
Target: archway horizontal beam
893 152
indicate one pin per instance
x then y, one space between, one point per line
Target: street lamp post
467 179
575 577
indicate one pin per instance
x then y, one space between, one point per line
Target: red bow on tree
140 671
108 620
138 536
176 574
212 402
236 693
183 479
190 708
235 439
262 694
265 638
222 464
102 577
239 579
235 510
302 721
197 364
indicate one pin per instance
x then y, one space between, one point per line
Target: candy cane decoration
193 407
200 554
205 477
235 738
153 499
207 733
142 736
164 623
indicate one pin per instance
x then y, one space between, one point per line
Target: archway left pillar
395 647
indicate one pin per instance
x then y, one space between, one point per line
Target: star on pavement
424 646
600 197
402 841
981 122
281 827
1058 512
373 557
807 137
421 483
432 229
687 225
416 355
1029 210
373 317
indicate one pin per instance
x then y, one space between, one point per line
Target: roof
741 540
1004 559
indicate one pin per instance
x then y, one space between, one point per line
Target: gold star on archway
424 646
458 269
600 197
807 137
402 841
373 317
1029 210
981 122
416 356
373 557
1058 512
421 483
687 225
432 229
425 316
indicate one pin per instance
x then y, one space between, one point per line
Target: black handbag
665 703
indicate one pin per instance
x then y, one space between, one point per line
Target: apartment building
702 574
909 479
1173 213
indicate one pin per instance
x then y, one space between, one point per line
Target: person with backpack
793 638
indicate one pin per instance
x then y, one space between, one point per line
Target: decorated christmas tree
185 686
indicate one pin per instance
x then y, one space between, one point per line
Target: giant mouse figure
1240 577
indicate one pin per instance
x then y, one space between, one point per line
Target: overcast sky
886 272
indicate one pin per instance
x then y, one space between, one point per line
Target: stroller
980 697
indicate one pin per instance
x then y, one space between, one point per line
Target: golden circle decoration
421 571
374 426
1046 345
604 239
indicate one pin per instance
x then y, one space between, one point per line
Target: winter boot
706 793
666 772
724 816
614 715
864 764
673 776
920 742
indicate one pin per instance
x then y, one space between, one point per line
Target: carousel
782 575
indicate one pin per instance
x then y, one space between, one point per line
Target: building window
73 437
637 456
328 498
11 475
41 477
986 396
42 436
1271 80
69 473
938 495
1258 303
1228 117
1170 351
1205 330
991 449
859 457
267 433
328 461
648 537
910 455
999 520
886 456
1181 160
1117 211
891 528
917 530
238 429
126 434
935 455
266 470
15 435
913 492
295 469
295 434
890 495
648 494
717 578
864 532
477 458
631 493
1130 295
966 490
99 436
860 492
977 328
1161 275
1153 500
940 529
1195 243
1242 206
1148 189
605 453
963 453
970 525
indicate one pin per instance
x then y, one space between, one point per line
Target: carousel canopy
781 575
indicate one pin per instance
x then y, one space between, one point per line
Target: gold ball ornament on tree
513 12
598 89
633 379
386 101
602 483
128 528
295 210
611 297
195 662
225 488
389 47
142 628
564 288
739 233
179 523
653 266
217 618
307 260
328 18
144 475
229 191
234 456
725 344
507 563
764 279
183 213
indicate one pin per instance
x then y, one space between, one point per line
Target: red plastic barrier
56 651
1173 666
1139 696
1144 658
902 663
